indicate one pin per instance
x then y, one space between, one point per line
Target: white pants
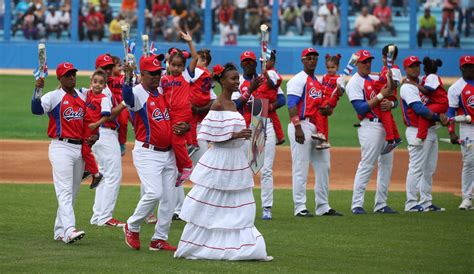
467 131
157 172
68 166
107 153
266 173
329 39
203 145
372 141
301 156
421 166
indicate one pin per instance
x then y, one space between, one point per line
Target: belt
71 141
155 148
375 120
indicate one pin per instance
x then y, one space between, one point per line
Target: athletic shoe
114 222
417 208
390 146
267 213
161 245
132 239
386 209
75 236
151 219
85 175
280 142
186 173
304 213
466 204
176 217
323 145
96 180
332 212
358 210
192 149
267 259
435 208
58 238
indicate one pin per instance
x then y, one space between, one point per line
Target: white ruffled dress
220 208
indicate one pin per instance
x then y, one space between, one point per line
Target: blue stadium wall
23 55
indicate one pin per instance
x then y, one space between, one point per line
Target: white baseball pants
301 156
467 131
68 167
372 141
421 166
266 173
109 158
157 172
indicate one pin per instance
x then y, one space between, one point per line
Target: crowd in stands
231 18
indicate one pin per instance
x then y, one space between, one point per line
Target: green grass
408 243
17 122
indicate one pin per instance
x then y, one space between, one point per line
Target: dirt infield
27 162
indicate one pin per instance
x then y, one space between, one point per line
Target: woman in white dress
220 208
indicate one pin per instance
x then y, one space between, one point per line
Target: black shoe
332 212
96 181
304 213
86 175
176 217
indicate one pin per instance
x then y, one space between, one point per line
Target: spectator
53 22
291 17
106 10
161 11
427 24
308 15
229 34
332 26
319 29
67 5
115 28
20 11
129 11
192 25
94 24
240 11
384 14
225 14
264 14
178 11
466 8
451 36
65 21
30 21
366 25
449 7
81 25
253 17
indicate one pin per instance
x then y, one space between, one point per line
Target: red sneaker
115 223
161 245
132 239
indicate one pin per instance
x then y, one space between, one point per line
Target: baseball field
426 242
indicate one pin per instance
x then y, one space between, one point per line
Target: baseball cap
103 60
309 51
410 60
466 60
151 63
64 68
363 55
248 55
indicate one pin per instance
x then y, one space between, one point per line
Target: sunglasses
154 73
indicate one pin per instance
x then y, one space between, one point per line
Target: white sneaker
75 236
466 204
267 259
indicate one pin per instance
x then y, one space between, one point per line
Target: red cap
466 60
63 68
248 55
410 60
309 51
151 63
363 55
103 60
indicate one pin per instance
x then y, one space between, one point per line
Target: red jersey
243 88
201 87
177 92
382 81
152 120
363 88
115 85
328 85
437 93
66 113
97 105
267 92
461 96
309 90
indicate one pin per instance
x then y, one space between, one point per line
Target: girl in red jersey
433 95
115 84
176 89
331 94
98 108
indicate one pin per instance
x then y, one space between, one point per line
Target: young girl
223 178
176 89
331 94
434 96
98 108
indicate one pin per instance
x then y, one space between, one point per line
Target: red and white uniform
66 121
154 160
328 85
310 92
371 134
201 95
115 85
461 97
